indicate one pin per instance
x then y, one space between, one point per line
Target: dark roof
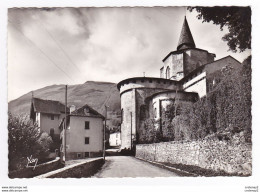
145 78
185 37
194 94
182 50
86 111
48 106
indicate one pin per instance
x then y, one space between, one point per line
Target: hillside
95 94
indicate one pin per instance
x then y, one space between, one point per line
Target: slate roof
194 95
48 106
186 39
87 111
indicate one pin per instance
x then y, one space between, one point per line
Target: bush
151 133
24 140
227 105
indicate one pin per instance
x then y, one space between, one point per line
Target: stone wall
231 156
78 170
29 172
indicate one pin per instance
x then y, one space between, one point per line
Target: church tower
185 39
179 63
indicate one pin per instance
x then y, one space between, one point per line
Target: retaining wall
78 170
29 172
232 156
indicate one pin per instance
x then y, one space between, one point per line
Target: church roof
186 39
182 51
193 96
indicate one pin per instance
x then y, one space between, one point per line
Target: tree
24 140
236 19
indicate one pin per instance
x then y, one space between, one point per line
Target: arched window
155 112
161 72
168 73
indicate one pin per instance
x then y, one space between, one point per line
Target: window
86 154
86 124
78 155
86 111
116 135
86 140
161 72
52 117
155 112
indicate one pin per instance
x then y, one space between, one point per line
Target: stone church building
187 75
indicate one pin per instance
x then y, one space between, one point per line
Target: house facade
47 114
115 139
187 74
84 134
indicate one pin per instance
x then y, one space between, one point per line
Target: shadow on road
106 166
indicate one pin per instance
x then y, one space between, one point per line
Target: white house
84 134
115 139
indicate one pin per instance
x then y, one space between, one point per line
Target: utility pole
104 134
65 123
176 103
131 129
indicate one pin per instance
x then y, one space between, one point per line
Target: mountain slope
95 94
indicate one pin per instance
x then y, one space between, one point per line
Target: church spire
186 39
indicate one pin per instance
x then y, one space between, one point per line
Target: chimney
72 108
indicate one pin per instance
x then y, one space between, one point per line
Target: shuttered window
86 124
86 140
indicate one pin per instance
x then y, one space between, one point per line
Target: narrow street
126 166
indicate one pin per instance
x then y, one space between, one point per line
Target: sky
75 45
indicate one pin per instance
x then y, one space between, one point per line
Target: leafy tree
24 140
237 19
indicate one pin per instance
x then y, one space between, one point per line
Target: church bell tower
186 58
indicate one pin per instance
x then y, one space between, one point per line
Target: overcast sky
75 45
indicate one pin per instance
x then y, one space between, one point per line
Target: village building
115 139
47 114
84 133
187 75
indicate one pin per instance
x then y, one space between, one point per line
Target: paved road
125 166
